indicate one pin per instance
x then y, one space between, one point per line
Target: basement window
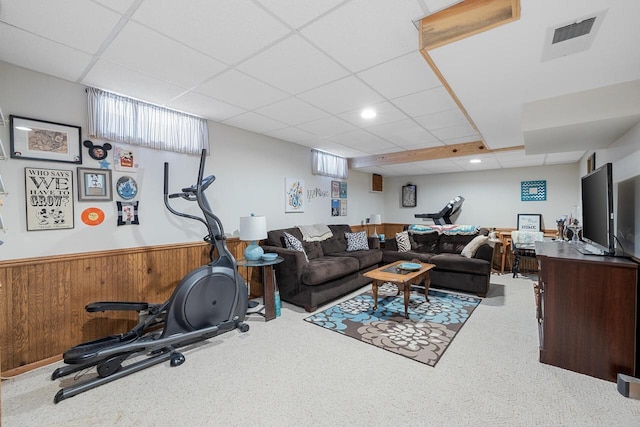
328 164
121 119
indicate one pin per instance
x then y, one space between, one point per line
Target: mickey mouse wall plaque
97 152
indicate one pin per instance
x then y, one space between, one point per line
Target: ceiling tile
291 134
70 26
362 140
44 56
442 119
112 77
401 76
404 133
370 32
120 6
327 126
385 113
460 131
228 30
487 162
290 12
426 102
205 106
255 123
310 67
144 50
239 89
342 95
292 111
436 5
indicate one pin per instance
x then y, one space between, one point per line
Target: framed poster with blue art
294 195
533 191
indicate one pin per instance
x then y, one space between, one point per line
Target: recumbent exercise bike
208 301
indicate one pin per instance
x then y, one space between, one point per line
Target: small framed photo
94 185
128 213
33 139
409 199
529 222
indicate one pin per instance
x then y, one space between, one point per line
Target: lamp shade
253 228
375 219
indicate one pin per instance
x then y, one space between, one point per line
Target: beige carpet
288 372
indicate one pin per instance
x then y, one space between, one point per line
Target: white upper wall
250 172
492 198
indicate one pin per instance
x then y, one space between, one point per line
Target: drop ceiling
302 71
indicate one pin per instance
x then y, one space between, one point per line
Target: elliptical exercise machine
208 301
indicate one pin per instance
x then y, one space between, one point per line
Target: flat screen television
597 210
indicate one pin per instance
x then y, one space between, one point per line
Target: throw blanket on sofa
449 229
315 233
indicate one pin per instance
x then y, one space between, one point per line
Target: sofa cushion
458 263
402 240
470 249
453 244
426 243
357 241
292 243
392 256
365 258
321 270
313 249
276 237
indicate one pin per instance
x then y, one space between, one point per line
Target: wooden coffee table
401 278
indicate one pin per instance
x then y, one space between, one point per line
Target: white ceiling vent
572 37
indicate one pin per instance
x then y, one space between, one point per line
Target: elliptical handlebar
184 195
200 187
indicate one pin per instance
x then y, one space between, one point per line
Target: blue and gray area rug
423 337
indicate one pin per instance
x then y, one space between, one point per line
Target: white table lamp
252 229
375 219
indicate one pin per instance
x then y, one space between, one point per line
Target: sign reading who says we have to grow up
49 194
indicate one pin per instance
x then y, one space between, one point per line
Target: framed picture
409 199
294 195
335 207
49 199
343 207
125 159
533 191
529 222
94 185
128 213
335 189
33 139
343 190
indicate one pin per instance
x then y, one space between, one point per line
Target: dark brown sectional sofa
331 271
452 270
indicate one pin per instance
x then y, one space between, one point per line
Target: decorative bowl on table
409 266
269 256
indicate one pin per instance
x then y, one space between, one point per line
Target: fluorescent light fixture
368 113
23 128
475 161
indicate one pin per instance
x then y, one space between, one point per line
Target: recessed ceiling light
368 113
475 161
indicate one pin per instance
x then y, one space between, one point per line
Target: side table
268 283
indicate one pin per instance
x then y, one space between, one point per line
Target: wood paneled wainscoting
42 300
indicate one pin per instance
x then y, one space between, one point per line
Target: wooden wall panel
42 299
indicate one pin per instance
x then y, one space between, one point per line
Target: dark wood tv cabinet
587 309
